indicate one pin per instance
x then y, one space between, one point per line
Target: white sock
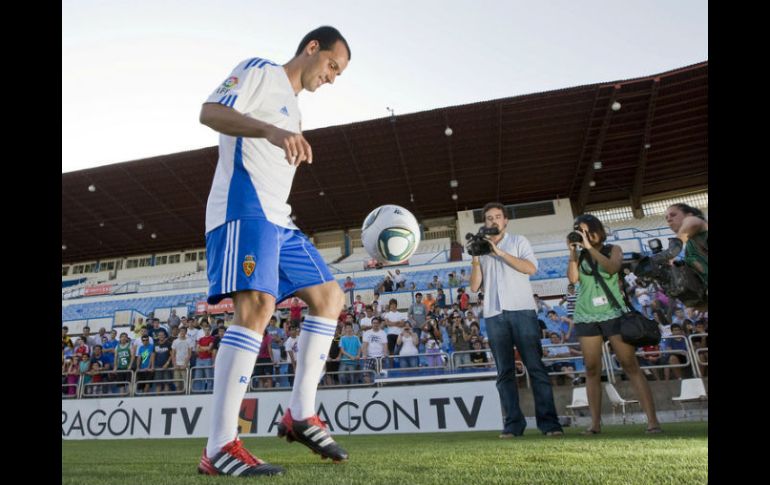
314 342
232 371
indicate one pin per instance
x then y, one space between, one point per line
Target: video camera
575 236
677 280
477 244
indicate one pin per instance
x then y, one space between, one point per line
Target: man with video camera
504 262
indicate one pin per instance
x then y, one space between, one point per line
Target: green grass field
620 455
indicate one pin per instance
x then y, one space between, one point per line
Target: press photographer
599 309
509 310
686 280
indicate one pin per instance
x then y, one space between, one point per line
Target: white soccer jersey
253 177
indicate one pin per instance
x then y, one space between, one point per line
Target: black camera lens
574 237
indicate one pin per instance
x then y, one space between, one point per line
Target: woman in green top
596 319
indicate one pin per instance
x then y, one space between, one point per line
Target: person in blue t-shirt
350 353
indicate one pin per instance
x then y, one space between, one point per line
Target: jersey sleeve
244 89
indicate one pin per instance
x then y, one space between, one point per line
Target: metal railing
697 351
687 353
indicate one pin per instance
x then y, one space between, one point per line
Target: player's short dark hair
326 36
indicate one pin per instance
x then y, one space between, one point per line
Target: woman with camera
597 319
692 232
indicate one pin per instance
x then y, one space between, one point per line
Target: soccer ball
390 234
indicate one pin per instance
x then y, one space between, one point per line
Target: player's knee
332 301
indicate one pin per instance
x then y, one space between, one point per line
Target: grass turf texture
619 455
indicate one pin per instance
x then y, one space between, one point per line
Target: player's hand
294 145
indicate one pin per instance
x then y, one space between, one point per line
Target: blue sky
134 73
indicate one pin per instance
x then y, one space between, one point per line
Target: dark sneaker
312 433
236 460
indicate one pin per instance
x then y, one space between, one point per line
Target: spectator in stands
72 370
431 339
146 363
292 350
358 305
475 331
651 356
596 319
542 307
556 349
163 363
98 364
349 285
692 233
174 334
435 284
678 348
511 320
407 343
396 321
65 339
465 279
173 320
461 341
560 325
417 313
204 361
156 329
67 352
366 322
80 347
412 286
440 299
124 358
376 305
463 300
479 356
349 319
688 327
295 312
678 316
630 279
429 302
642 294
90 339
569 298
277 336
398 279
350 353
453 280
387 285
375 346
181 351
144 332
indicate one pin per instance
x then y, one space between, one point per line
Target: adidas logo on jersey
285 111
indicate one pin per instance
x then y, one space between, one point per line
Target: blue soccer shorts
255 254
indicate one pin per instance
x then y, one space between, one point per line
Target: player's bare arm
228 121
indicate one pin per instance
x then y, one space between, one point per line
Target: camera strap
600 280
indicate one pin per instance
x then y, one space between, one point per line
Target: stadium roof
514 150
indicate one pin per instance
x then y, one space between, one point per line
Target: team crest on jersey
249 265
227 85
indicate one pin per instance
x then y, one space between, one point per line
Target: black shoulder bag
635 328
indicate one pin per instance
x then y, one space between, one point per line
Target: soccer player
256 254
